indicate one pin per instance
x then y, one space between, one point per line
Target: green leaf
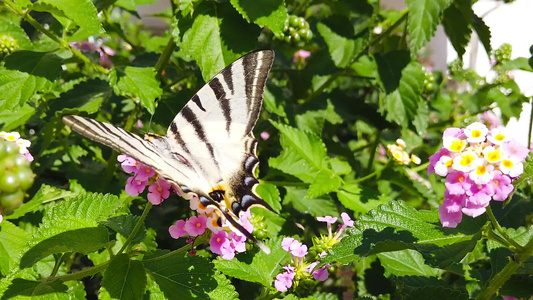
402 104
340 167
182 277
84 240
456 22
273 222
421 117
357 198
499 255
23 287
342 50
17 87
303 155
10 120
315 206
87 96
424 17
124 225
225 290
325 182
390 66
83 13
45 194
520 63
269 13
139 83
124 278
13 239
16 32
270 194
274 102
396 226
313 121
483 33
528 172
209 36
404 263
259 267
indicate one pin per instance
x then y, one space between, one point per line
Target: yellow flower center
493 156
449 163
481 170
476 133
457 145
507 163
467 160
499 137
11 138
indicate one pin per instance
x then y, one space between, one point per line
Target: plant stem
84 273
499 279
62 43
179 251
165 56
136 228
373 152
500 230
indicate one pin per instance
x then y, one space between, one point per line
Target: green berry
9 183
25 178
295 37
11 201
293 21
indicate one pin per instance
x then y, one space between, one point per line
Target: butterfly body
209 150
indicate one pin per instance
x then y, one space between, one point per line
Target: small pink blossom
514 149
129 164
286 244
134 186
196 225
144 172
301 55
433 159
238 241
298 249
474 210
457 183
178 230
502 186
480 194
327 219
158 191
450 211
322 273
217 241
346 219
283 281
265 135
245 222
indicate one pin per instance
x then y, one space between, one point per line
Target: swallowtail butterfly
209 150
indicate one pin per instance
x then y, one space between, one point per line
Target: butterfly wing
213 131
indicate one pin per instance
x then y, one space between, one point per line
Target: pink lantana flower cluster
479 166
23 144
299 269
142 176
225 240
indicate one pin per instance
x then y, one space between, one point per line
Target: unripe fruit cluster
260 230
8 45
503 53
16 176
296 30
429 82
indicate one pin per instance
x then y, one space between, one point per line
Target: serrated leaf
499 255
139 83
456 22
86 96
358 199
45 194
404 263
182 277
259 267
483 33
325 182
520 63
124 278
13 239
315 206
339 166
83 13
17 87
313 120
270 194
23 287
402 104
424 17
84 240
225 290
421 117
9 120
389 67
528 172
341 49
269 13
396 226
209 36
124 224
303 155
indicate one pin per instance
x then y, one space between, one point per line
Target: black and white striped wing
213 131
